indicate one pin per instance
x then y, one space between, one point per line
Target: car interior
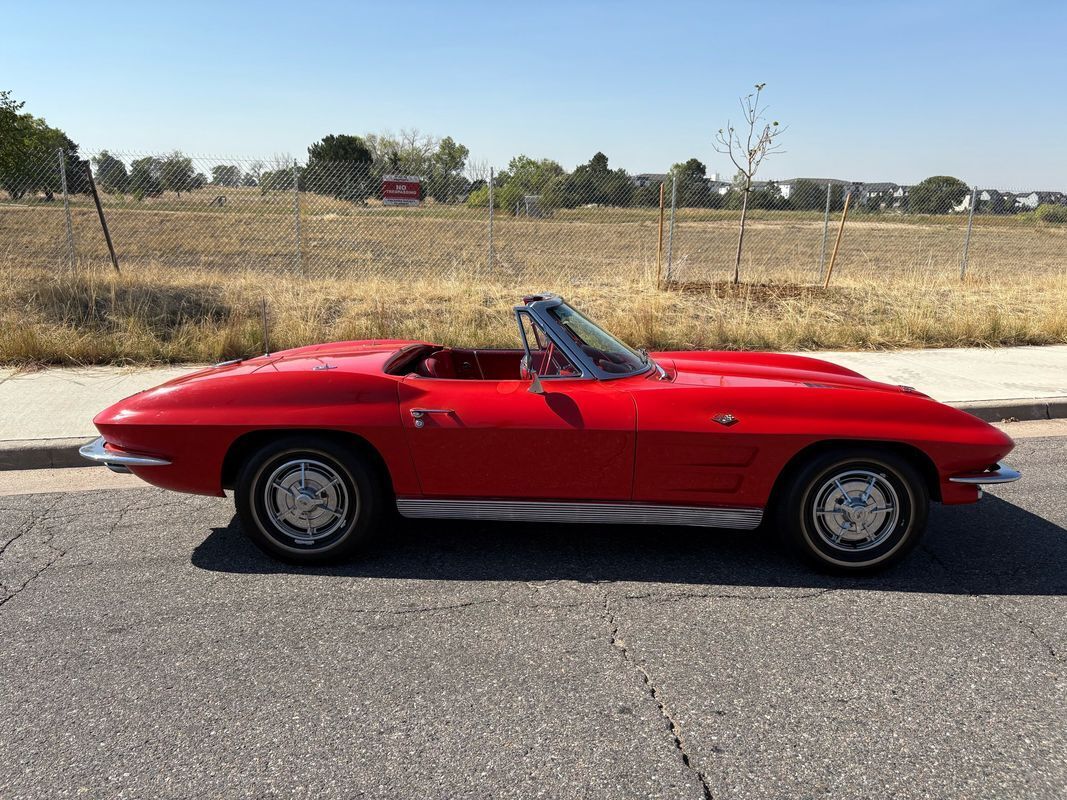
431 361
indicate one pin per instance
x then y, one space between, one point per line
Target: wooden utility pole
837 243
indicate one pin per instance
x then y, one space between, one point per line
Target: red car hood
728 368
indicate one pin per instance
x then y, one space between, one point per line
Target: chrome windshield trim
1000 474
595 513
95 452
539 306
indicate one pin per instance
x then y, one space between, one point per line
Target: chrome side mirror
535 385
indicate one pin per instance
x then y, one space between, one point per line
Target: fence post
296 216
967 236
100 213
492 177
659 243
670 229
837 243
66 206
825 228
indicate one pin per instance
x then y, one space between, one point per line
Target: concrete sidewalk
46 415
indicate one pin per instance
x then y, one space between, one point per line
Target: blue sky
869 90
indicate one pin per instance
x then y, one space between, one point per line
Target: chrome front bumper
999 474
116 461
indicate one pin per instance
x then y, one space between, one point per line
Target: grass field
194 276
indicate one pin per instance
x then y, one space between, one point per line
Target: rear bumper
999 474
117 460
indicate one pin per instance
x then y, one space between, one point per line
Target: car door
496 439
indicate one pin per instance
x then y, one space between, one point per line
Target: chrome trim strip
1001 474
608 513
94 451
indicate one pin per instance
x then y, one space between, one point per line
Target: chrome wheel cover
308 501
855 510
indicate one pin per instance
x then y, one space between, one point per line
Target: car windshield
606 352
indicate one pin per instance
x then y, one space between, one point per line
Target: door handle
418 413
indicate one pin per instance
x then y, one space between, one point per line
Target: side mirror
535 385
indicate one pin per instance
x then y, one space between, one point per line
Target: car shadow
993 547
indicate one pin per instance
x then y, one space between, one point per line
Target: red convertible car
320 444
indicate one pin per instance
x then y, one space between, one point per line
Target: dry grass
155 314
194 276
340 239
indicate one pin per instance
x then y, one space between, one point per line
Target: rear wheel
308 501
855 511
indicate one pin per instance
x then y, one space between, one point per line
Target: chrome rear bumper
1000 474
117 461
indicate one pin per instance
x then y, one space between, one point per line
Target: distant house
787 185
987 199
648 179
1032 200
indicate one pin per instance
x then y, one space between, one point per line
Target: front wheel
308 500
855 511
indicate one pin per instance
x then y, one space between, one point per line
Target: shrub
1053 214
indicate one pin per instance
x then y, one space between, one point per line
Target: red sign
400 190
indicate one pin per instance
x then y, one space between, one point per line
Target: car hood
727 368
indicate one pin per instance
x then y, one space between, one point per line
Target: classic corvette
321 444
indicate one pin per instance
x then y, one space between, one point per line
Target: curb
1036 408
63 452
42 453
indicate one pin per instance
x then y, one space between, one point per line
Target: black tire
871 537
271 480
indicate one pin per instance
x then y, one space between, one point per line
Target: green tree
936 195
29 160
693 189
339 166
176 174
445 180
590 184
809 195
226 175
111 174
146 177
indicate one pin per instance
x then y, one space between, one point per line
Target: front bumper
998 474
116 460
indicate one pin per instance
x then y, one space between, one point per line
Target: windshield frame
542 308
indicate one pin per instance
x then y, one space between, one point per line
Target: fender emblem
725 419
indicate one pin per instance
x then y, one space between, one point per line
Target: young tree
747 149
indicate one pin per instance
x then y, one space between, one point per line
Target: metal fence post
825 228
967 236
670 229
296 216
491 180
66 206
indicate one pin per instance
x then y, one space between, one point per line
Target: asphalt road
149 651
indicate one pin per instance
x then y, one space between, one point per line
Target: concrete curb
63 452
1037 408
42 453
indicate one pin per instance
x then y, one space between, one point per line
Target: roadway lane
150 651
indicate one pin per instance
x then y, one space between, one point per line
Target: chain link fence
593 225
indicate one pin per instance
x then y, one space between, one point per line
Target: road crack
992 603
654 692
